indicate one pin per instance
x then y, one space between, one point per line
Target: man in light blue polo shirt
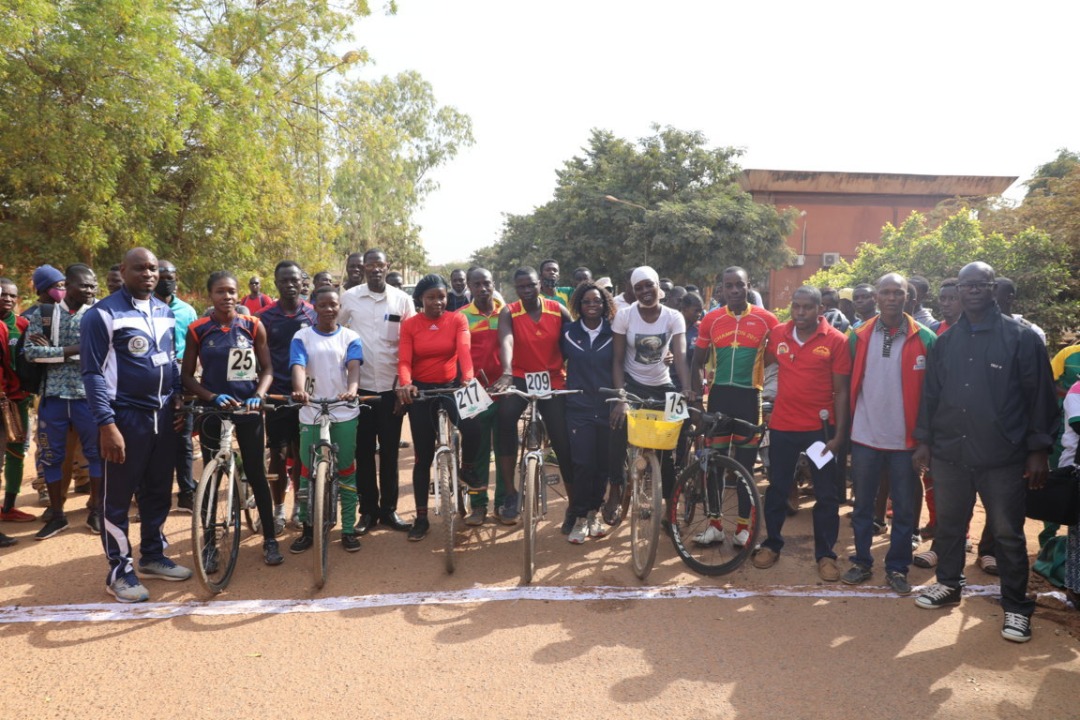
165 291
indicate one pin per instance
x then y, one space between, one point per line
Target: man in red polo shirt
814 369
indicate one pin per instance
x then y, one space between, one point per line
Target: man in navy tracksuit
132 382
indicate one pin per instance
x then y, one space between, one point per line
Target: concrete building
840 210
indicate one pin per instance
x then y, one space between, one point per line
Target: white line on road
115 612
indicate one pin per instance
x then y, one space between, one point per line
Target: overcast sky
946 87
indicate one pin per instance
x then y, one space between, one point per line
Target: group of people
963 405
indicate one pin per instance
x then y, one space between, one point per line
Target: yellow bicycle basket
649 429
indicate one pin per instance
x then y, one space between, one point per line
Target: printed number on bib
471 400
242 365
538 383
675 407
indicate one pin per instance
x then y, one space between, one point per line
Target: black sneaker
185 501
304 542
6 541
898 582
56 525
93 521
938 596
856 575
1017 627
351 543
419 529
271 554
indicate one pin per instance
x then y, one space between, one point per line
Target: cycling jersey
738 344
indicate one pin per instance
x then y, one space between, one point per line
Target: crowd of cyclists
925 415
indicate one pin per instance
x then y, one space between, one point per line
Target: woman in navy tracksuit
587 345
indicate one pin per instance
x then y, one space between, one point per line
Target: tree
1031 258
682 211
391 134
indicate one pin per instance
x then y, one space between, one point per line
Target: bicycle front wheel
646 511
444 467
715 516
322 519
215 527
530 513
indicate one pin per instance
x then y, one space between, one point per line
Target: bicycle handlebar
718 418
623 395
533 396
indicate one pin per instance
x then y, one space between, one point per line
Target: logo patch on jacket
822 351
138 345
920 363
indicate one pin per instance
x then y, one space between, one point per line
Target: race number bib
675 407
471 400
538 383
241 365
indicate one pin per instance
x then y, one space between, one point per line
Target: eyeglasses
972 287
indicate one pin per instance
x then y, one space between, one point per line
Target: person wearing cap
434 353
813 369
644 334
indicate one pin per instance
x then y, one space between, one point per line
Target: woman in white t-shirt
650 340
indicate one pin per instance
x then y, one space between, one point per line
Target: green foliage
1031 258
684 213
207 130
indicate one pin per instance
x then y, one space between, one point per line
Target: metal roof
848 183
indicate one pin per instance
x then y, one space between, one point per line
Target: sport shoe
988 564
56 525
712 535
880 528
304 542
898 582
926 559
185 501
1017 627
6 541
476 516
164 569
295 519
597 529
510 510
741 536
16 515
827 569
580 531
93 521
856 575
350 542
764 558
419 529
279 525
613 503
938 596
128 589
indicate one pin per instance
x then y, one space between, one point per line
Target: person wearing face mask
63 399
549 283
185 314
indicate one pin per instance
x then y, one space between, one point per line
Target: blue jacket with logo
588 366
128 358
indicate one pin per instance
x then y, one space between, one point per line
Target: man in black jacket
988 419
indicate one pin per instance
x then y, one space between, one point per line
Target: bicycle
450 495
530 468
714 486
221 495
647 433
323 483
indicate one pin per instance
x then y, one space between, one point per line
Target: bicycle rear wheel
215 527
646 509
444 468
322 519
697 500
530 513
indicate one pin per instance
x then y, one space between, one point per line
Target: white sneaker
580 532
597 529
711 535
740 538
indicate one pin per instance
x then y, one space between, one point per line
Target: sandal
926 559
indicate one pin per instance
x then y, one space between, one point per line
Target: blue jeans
866 466
1004 495
784 449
